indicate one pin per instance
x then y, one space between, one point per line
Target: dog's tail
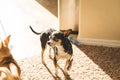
34 31
7 72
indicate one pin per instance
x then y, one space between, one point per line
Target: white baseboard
99 42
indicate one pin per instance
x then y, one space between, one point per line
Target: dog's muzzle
50 43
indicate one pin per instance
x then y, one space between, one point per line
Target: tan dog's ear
1 45
67 32
7 40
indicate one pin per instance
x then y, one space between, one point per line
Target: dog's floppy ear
67 32
6 41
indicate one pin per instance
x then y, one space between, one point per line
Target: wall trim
99 42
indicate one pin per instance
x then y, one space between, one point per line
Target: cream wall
99 19
69 14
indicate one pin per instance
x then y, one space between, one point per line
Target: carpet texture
90 63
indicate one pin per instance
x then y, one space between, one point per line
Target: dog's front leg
66 66
56 66
42 56
50 54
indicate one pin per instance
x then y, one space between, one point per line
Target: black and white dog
62 49
59 42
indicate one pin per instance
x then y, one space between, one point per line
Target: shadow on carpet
107 58
89 63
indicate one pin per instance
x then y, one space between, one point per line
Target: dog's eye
55 39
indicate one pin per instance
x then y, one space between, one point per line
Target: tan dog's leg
15 71
5 74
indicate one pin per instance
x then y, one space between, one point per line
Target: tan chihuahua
9 69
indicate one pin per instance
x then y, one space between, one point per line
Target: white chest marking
61 54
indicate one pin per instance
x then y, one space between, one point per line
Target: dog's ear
6 41
67 32
1 45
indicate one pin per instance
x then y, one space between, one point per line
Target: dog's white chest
61 53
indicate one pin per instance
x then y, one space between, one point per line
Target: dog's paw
43 62
57 78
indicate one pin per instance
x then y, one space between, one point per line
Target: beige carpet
90 63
